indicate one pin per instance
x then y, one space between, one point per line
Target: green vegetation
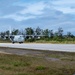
43 35
40 68
45 63
4 40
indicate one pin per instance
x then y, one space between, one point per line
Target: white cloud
18 17
31 9
34 8
66 6
64 2
42 13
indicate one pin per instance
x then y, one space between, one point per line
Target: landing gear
17 42
13 42
20 42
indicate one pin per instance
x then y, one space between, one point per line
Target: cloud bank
50 14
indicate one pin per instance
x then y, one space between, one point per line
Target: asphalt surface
39 46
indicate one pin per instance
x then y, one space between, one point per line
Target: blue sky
50 14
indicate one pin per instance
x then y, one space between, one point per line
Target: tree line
47 34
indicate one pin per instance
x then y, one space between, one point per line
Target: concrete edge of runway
41 47
37 49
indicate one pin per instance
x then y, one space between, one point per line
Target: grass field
43 41
45 63
56 42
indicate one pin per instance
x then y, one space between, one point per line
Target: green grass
55 42
4 41
43 41
42 64
40 68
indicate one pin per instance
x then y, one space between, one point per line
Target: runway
39 46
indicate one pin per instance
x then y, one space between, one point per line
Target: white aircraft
17 38
20 38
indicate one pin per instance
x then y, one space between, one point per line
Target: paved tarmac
39 46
